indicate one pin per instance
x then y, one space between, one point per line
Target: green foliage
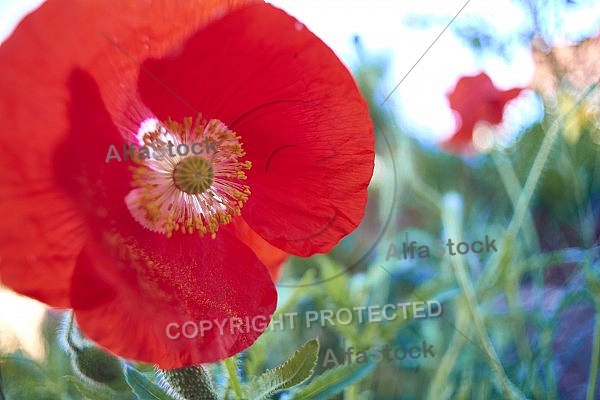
293 372
22 378
332 382
143 387
89 390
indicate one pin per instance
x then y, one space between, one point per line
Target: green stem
234 380
546 339
350 392
591 390
538 166
523 349
522 206
412 179
440 384
451 218
542 157
587 229
594 285
512 185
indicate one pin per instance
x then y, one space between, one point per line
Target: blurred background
522 322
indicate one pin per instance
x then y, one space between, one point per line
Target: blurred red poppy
136 245
475 98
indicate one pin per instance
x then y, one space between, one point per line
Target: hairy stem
234 380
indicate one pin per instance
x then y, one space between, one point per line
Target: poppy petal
126 293
475 98
39 242
42 231
129 278
303 123
271 256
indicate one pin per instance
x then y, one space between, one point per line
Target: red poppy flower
135 245
475 98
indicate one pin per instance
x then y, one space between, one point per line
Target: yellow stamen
188 193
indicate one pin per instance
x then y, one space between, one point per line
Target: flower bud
95 364
191 383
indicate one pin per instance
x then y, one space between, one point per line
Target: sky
419 104
420 100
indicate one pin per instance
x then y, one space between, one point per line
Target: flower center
187 178
193 175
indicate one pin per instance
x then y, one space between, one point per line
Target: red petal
42 231
126 293
303 123
475 98
271 256
130 279
40 237
462 140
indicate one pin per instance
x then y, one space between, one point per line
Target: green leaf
91 391
23 378
573 298
336 289
302 290
291 373
333 381
17 366
143 387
